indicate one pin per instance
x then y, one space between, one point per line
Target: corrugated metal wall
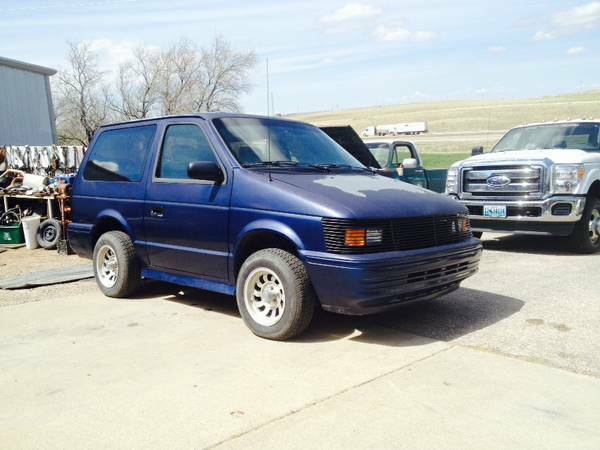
25 108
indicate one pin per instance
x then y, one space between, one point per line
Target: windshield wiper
329 167
282 163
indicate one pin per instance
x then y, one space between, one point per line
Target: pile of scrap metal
50 160
18 182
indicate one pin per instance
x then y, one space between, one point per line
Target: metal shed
26 110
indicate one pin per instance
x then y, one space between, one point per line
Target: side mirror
409 163
477 151
206 171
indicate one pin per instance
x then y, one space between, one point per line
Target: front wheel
586 235
274 295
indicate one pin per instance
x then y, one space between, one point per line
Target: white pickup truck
539 179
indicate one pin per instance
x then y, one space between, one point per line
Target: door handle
157 212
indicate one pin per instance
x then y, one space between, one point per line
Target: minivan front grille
503 181
409 233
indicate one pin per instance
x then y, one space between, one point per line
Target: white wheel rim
594 226
107 266
264 297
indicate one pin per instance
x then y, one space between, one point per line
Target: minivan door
186 220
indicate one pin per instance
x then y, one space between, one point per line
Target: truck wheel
117 269
586 235
274 294
477 234
49 233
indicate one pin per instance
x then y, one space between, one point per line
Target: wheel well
260 240
103 226
595 189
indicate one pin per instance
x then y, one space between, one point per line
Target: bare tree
82 100
223 77
180 77
139 85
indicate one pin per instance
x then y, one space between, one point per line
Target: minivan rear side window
120 155
183 144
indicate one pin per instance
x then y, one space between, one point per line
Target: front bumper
366 284
528 216
543 209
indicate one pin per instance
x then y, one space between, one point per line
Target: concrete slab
456 399
93 372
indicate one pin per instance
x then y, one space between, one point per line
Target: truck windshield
582 136
292 144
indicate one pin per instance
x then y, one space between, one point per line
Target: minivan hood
370 196
562 156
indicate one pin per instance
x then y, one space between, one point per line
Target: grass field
479 116
442 160
482 122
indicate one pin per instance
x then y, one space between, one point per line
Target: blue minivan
267 209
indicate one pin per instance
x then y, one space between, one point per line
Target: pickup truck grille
409 233
503 181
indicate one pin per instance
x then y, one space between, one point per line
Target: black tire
128 275
300 298
477 234
49 233
582 239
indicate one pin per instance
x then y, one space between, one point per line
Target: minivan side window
120 155
183 144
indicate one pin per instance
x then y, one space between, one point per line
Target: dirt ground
20 261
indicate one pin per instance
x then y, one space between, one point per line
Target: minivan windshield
262 142
582 136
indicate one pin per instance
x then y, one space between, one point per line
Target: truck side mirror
205 171
409 163
477 151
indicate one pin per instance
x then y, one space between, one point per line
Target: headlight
361 237
566 178
452 181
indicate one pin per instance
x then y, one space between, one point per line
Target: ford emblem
498 181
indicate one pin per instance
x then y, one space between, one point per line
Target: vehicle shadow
457 314
520 243
447 318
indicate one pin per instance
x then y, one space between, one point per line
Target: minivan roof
205 116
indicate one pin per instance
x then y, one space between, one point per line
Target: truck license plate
494 211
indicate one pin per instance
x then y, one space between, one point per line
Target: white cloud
497 50
387 34
544 36
585 16
575 51
352 12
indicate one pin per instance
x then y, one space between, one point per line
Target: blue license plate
494 211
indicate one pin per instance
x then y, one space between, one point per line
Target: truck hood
366 196
562 156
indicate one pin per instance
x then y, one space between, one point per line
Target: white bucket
30 229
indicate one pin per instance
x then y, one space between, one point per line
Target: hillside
480 116
457 126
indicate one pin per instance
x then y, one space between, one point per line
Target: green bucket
11 234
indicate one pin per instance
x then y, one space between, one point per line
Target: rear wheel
116 266
586 235
274 294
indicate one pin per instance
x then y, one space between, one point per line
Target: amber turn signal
355 238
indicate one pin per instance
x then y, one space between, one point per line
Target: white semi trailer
395 129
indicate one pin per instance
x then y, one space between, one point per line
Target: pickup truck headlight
452 181
567 177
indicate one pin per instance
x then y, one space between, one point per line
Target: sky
326 55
